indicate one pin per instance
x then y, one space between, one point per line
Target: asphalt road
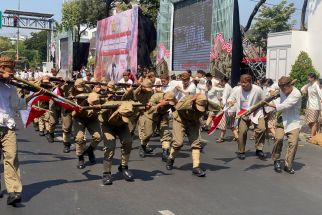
53 185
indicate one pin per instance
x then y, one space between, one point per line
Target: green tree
38 42
301 68
5 44
270 20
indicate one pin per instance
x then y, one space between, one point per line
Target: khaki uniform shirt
155 113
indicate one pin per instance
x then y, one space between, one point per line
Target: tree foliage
301 68
271 19
38 41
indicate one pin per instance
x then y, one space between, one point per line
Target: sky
54 7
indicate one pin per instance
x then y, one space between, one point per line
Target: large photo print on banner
116 45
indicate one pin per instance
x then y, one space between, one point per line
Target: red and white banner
31 112
63 104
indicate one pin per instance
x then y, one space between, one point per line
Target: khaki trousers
150 126
10 160
109 137
94 128
292 144
259 134
193 132
66 117
43 122
53 117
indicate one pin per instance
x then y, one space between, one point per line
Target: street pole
18 32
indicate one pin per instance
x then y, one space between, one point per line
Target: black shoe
198 172
14 198
165 155
260 154
41 133
289 170
170 164
148 149
50 137
241 156
81 162
277 166
91 156
66 149
127 174
107 178
142 152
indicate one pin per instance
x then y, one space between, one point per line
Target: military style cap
169 97
7 62
125 110
45 79
79 84
147 84
111 85
93 99
201 102
185 76
104 80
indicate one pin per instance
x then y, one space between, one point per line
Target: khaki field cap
93 99
45 79
284 81
111 85
126 111
201 102
7 62
169 97
79 84
147 84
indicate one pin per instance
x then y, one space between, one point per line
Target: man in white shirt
126 79
10 102
313 105
185 87
245 96
289 124
155 81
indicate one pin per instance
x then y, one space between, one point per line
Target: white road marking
166 212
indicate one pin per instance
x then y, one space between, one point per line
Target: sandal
220 140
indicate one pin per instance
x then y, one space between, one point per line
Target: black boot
127 174
289 170
144 150
170 164
260 154
50 137
81 162
14 198
66 148
41 133
277 166
241 156
107 178
165 155
90 153
198 172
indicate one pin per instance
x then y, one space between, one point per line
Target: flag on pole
63 104
215 121
31 112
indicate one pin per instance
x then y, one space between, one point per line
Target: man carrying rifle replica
9 104
288 108
158 117
85 119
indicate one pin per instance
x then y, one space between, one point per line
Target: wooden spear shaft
45 90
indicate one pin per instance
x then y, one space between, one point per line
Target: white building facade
283 48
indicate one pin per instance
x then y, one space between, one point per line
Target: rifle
100 96
137 85
114 105
60 80
38 88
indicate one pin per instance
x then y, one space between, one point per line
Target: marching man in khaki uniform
9 104
85 119
158 117
289 123
115 123
186 121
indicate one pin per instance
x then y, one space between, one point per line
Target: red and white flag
63 104
215 122
32 112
